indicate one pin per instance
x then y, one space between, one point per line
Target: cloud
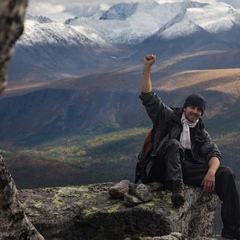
234 3
60 10
86 10
48 8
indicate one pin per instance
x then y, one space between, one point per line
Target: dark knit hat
195 100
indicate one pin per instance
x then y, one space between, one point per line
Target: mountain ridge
49 51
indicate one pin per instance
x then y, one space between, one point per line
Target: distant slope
32 172
106 102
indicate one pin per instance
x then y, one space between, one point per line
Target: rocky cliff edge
89 212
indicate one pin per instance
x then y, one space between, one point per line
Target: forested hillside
99 130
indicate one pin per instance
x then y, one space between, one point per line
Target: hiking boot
231 233
178 193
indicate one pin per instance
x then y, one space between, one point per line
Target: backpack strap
140 173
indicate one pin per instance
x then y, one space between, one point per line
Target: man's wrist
212 171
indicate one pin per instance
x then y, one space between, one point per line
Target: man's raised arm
148 61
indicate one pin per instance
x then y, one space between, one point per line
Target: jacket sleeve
158 112
209 149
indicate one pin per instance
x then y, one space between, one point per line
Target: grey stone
142 192
132 194
119 189
88 212
130 200
14 223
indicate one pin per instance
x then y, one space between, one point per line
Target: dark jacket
164 117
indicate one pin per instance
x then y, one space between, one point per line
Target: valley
99 131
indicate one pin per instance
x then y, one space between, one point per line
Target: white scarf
185 139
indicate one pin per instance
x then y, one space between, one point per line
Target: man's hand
149 59
208 182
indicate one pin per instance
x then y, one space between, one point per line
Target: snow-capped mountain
133 22
40 30
120 11
39 19
130 23
212 18
104 41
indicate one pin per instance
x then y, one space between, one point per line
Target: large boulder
12 15
89 212
14 224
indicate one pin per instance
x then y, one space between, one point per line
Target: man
186 154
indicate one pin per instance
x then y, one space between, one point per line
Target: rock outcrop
89 212
14 224
12 15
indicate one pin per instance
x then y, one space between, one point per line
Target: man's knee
173 144
172 149
225 170
224 174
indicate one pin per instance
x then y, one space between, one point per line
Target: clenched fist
149 59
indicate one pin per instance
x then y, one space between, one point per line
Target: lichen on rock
91 213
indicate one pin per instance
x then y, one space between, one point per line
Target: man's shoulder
176 109
177 113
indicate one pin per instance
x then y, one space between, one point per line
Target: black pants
170 165
167 165
225 188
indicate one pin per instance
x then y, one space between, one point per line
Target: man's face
192 113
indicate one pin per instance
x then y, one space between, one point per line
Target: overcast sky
60 10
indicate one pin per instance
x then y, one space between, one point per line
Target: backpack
144 158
